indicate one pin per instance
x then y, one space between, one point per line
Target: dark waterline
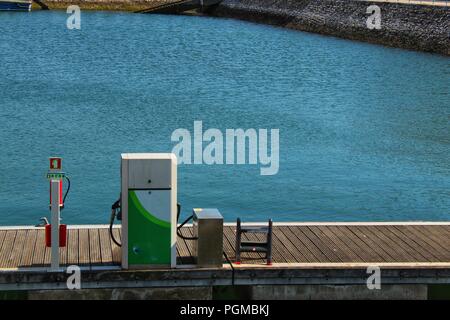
364 129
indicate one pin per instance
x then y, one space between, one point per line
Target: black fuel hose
114 209
181 225
67 191
231 265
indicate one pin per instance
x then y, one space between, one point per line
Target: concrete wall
417 27
258 292
187 293
341 292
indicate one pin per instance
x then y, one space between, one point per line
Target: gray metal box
208 228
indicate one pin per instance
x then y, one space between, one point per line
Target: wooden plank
445 229
292 253
83 246
341 252
431 238
17 249
180 258
419 243
7 247
190 244
30 242
295 246
393 243
2 237
94 247
312 247
358 247
105 247
116 250
298 245
383 242
344 245
63 252
437 248
228 243
398 253
182 251
187 244
72 243
182 247
47 255
279 245
438 233
328 252
371 244
403 243
39 249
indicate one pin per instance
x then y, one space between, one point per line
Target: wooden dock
23 248
303 253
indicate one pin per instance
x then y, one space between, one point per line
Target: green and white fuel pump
149 210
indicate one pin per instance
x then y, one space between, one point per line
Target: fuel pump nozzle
43 222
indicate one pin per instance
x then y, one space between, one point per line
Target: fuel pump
149 212
148 209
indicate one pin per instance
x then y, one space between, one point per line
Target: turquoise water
364 129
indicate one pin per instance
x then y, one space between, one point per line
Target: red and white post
55 175
55 211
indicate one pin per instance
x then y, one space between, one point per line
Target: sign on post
55 173
55 163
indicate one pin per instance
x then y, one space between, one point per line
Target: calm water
364 129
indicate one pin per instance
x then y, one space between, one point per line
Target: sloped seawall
409 26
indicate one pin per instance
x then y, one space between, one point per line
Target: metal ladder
253 246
